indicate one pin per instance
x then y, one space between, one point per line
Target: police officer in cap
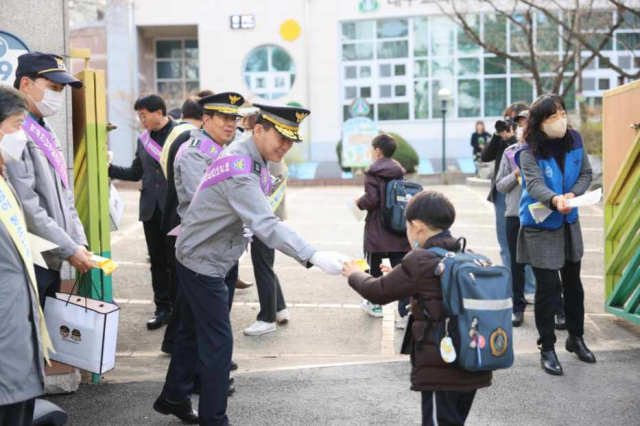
231 195
187 163
41 178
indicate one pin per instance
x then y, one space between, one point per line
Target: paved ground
334 365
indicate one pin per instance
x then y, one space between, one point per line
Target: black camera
506 124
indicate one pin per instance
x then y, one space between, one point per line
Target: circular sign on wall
290 30
10 48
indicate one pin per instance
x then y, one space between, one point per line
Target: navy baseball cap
46 65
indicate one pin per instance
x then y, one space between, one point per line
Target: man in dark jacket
152 112
447 390
378 242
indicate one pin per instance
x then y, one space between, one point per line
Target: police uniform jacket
22 360
189 169
211 240
154 185
49 208
170 218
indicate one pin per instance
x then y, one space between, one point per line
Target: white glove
247 234
329 261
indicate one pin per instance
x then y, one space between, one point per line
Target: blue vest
558 182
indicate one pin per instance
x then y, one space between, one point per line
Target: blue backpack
398 192
477 301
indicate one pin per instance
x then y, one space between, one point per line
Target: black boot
183 411
550 363
576 346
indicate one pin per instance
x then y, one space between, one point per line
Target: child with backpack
380 243
447 389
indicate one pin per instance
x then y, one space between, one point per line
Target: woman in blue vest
555 168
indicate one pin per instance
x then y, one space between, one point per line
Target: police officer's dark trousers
446 408
160 271
172 328
49 283
18 414
267 282
204 340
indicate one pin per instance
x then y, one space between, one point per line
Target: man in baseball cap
40 178
44 65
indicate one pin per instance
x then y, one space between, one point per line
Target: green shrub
405 154
592 137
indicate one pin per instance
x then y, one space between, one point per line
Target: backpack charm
447 350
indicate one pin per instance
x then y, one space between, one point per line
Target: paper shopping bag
84 331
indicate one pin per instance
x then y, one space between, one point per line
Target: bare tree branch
621 6
597 51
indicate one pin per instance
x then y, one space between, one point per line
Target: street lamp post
444 95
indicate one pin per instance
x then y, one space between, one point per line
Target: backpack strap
420 342
438 251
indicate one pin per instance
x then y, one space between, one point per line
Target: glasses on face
229 118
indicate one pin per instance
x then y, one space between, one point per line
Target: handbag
84 331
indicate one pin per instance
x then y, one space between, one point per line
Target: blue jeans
501 231
501 228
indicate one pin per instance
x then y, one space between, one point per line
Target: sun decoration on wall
290 30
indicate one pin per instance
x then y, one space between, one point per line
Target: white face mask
50 103
520 133
557 129
12 145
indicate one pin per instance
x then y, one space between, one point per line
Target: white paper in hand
539 212
588 199
357 213
39 246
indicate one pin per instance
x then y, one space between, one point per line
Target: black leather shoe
234 366
167 347
161 318
550 363
576 345
517 319
183 411
560 322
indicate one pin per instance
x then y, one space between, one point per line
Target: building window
177 70
400 64
269 72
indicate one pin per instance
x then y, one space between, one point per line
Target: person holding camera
555 168
503 137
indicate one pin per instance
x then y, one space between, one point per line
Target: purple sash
227 167
231 166
206 146
511 155
47 143
151 146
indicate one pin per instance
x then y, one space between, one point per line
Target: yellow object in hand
362 264
107 265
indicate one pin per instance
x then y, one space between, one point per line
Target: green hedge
405 154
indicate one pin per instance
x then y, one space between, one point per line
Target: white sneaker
283 316
260 327
372 309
